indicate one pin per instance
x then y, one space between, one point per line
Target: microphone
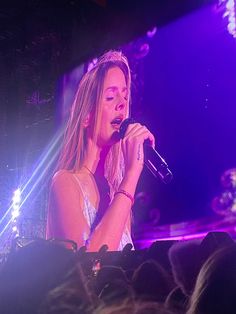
152 159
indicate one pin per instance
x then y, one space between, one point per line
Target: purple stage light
151 32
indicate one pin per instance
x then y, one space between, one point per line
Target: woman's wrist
129 183
132 176
133 173
126 194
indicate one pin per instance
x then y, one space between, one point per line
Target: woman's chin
104 143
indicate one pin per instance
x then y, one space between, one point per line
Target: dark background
189 103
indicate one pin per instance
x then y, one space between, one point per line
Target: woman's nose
121 103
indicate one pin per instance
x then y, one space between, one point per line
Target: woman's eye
109 98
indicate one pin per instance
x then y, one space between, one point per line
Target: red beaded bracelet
126 194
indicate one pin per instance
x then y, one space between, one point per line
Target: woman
91 152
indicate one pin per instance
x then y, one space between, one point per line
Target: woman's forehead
114 78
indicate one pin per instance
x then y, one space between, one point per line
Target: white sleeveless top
90 212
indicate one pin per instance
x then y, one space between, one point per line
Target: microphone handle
152 159
156 164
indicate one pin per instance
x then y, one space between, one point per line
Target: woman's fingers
132 144
140 132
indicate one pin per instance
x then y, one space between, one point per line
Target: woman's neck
102 159
95 158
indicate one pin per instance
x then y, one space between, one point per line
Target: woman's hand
132 146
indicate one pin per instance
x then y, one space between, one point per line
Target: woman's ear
86 122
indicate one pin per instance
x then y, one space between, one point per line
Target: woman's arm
110 229
65 213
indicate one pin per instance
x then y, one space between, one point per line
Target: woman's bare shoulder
65 181
65 192
62 174
62 177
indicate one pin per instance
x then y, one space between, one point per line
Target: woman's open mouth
116 122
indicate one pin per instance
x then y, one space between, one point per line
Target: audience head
116 292
151 281
177 301
215 290
108 274
185 264
134 307
212 242
30 273
70 297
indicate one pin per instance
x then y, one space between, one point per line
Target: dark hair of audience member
177 301
184 260
71 297
185 265
30 273
108 274
151 282
215 290
212 242
116 292
134 307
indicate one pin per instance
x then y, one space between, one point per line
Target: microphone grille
124 126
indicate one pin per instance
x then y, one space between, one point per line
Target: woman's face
114 105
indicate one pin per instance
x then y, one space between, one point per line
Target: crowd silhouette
48 277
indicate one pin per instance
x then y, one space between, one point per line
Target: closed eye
109 98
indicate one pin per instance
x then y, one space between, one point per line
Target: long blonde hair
88 102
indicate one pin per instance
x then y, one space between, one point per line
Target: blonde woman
91 150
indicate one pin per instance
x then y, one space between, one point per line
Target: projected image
73 167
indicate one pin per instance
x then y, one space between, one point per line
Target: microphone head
124 125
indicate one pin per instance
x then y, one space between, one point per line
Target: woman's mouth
116 122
